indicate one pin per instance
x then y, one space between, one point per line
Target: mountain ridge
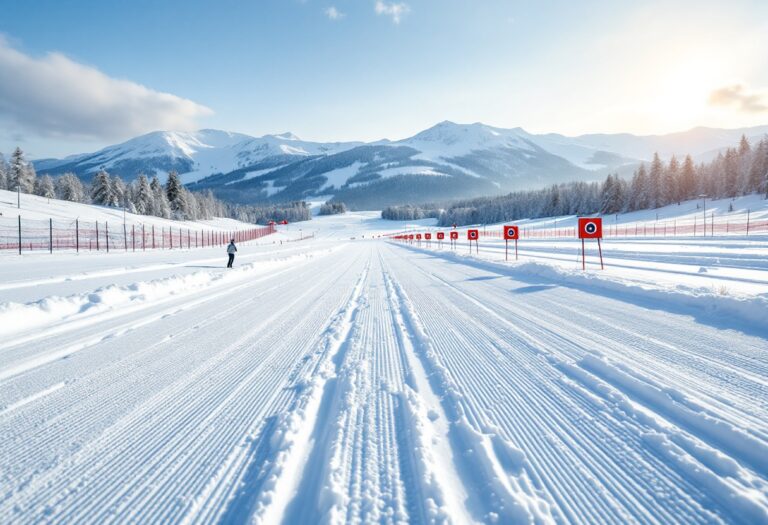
447 160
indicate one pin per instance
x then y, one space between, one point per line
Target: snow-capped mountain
446 161
195 155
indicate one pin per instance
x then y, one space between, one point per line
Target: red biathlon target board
473 235
510 233
590 228
454 238
428 236
440 236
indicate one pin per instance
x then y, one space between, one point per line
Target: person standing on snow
231 249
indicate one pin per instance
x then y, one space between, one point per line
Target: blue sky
97 72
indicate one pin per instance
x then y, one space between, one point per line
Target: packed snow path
378 383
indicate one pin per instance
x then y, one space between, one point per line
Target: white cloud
394 10
738 96
56 96
333 13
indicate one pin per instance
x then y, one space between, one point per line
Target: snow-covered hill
446 161
40 209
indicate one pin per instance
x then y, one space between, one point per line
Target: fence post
50 235
125 238
77 236
747 223
153 237
106 234
97 236
19 234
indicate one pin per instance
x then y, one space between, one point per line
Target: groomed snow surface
351 379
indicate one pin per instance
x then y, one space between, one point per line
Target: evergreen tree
44 187
177 199
671 188
70 188
21 177
730 182
638 194
654 191
160 206
744 147
121 192
611 195
687 186
3 173
758 169
143 198
102 190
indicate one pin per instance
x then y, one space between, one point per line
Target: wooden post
125 237
97 236
19 234
747 223
600 249
106 234
583 260
50 235
77 236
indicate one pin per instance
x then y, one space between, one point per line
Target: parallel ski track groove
466 329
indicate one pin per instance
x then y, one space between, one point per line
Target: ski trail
186 445
298 430
536 340
488 463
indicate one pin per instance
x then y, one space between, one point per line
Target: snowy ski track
376 383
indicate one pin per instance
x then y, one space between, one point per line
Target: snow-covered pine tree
758 169
655 196
70 188
21 177
612 199
687 186
671 180
161 207
121 192
102 190
3 173
730 178
142 195
191 212
176 195
638 193
30 175
44 187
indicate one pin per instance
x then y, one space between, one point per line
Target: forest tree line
737 171
143 196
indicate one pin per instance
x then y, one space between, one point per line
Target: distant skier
231 249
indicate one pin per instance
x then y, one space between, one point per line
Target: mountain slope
446 161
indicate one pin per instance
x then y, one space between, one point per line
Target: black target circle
590 228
